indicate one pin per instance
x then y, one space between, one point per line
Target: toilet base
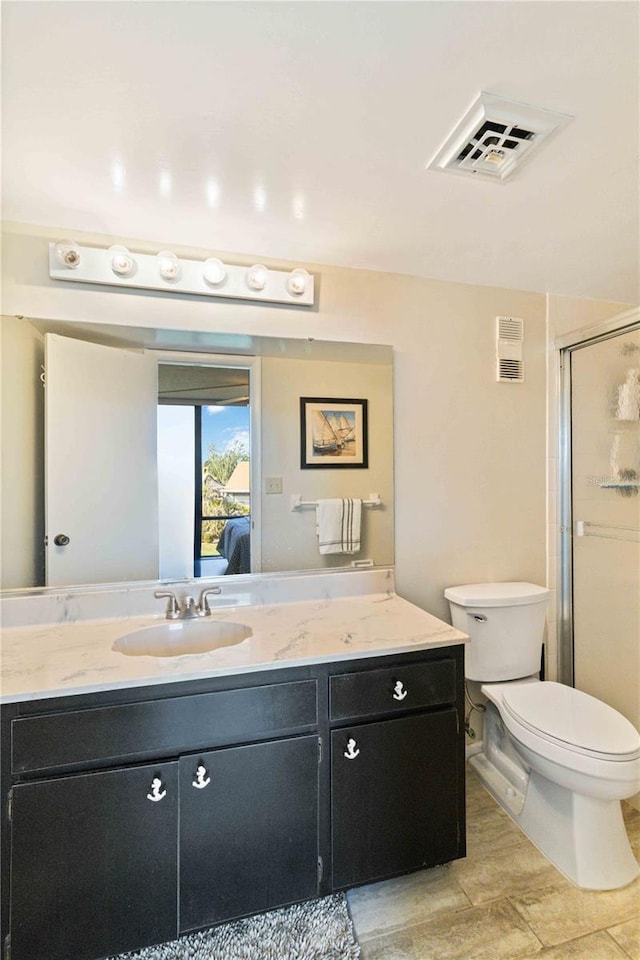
501 789
583 837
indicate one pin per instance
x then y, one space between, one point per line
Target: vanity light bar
117 267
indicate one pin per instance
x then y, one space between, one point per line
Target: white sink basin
182 637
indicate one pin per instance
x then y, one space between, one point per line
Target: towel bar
297 503
584 528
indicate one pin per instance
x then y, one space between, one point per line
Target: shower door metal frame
565 346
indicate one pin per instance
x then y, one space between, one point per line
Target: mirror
285 370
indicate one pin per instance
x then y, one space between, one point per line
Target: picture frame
333 433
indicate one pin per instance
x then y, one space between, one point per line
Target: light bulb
68 253
297 281
122 261
168 265
118 176
257 277
259 198
165 183
214 271
213 193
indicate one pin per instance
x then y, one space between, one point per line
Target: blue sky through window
223 426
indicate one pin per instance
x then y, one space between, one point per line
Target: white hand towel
338 526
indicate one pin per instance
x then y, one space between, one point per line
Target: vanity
148 797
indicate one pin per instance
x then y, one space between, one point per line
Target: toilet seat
570 720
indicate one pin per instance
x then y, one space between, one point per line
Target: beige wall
469 450
288 538
470 489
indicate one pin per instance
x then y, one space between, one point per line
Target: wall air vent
509 340
496 136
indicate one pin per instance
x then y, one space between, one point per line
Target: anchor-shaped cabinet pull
202 780
352 751
156 787
399 692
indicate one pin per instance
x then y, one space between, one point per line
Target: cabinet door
394 793
94 863
248 830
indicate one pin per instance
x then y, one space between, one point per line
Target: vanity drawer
162 727
373 692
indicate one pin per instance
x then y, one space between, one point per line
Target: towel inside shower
338 525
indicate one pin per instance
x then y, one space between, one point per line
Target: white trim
190 358
255 413
254 366
604 328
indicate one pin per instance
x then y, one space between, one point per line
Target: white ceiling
301 131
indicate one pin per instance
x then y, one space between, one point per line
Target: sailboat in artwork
346 430
325 438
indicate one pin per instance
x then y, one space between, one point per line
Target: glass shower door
605 458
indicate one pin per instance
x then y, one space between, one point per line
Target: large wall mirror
166 454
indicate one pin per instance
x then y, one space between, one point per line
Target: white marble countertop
60 659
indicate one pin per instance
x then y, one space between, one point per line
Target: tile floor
504 901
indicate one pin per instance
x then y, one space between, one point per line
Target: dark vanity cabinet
93 863
153 839
396 780
134 816
249 838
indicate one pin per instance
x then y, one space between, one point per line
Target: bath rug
313 930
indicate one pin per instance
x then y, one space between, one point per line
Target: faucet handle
173 609
204 610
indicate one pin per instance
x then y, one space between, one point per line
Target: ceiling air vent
509 339
494 137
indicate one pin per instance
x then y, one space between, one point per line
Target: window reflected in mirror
204 470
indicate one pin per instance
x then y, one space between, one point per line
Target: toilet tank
505 622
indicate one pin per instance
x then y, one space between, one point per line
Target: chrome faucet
187 609
204 610
173 608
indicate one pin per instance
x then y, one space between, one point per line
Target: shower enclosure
600 514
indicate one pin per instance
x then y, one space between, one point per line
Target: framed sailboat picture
333 433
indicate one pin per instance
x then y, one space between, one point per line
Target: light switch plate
273 485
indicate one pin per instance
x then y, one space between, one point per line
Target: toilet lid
575 719
509 594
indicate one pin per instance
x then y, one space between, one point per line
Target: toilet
557 760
